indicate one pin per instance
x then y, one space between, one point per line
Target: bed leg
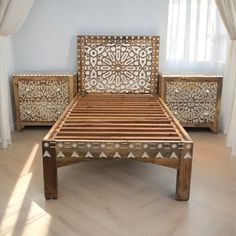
50 173
184 177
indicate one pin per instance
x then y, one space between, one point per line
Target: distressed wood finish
41 98
117 114
194 99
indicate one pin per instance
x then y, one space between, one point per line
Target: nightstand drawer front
53 91
40 112
192 92
192 102
200 113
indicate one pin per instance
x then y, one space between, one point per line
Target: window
197 39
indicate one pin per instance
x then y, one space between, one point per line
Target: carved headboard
114 64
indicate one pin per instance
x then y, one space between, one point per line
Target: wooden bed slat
143 138
115 133
118 128
119 125
117 117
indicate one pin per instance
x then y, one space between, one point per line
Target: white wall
47 40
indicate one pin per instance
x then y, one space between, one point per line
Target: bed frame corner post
49 170
184 174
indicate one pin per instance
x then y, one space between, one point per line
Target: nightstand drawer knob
176 90
27 89
207 91
175 112
28 112
206 113
58 90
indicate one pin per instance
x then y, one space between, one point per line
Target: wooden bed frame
117 114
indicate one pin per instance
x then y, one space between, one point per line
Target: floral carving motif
42 100
118 65
192 102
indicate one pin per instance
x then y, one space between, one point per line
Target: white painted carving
118 65
89 154
103 155
131 155
75 154
117 155
145 155
159 155
40 101
173 155
46 154
46 145
60 154
187 156
192 104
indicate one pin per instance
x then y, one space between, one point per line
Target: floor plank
117 197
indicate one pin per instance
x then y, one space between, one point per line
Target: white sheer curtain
12 16
227 10
196 40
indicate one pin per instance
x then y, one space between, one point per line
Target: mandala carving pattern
118 64
192 102
42 100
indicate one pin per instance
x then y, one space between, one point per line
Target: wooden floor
117 197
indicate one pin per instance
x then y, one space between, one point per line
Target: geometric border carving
119 150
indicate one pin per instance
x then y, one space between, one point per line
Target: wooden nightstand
194 99
41 98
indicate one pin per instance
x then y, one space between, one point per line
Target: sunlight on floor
20 211
27 167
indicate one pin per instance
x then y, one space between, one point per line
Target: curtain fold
15 15
5 103
227 9
3 7
12 15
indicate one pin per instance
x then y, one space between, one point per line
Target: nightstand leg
214 129
50 173
183 179
19 126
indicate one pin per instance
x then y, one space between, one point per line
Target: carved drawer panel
41 98
194 99
36 91
41 111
